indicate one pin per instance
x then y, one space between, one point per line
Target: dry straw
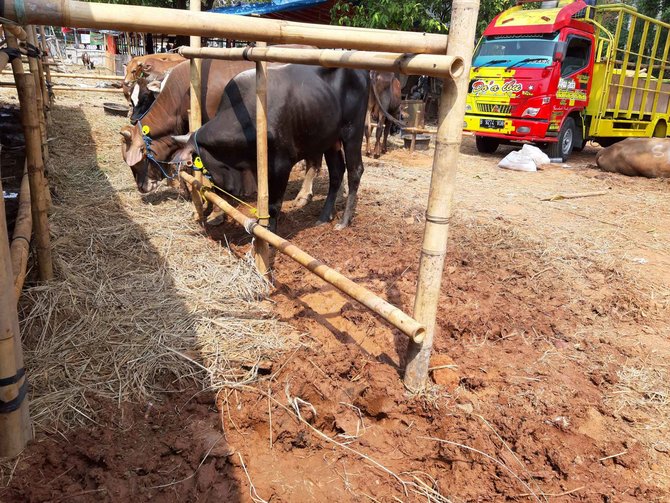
142 301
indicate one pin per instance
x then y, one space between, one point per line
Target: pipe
409 64
131 18
23 226
390 313
195 110
440 197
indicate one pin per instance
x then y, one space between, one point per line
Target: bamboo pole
20 246
47 68
195 111
71 88
15 429
42 80
442 185
389 312
132 18
86 76
261 247
4 59
409 64
15 30
25 86
34 70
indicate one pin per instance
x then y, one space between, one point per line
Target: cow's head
142 96
147 173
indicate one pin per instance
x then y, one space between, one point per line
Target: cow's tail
381 109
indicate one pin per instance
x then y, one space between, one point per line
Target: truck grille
494 108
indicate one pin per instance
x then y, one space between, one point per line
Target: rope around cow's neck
150 154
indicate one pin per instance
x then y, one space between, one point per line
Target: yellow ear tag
145 130
197 162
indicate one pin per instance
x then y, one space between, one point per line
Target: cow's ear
182 139
154 86
147 67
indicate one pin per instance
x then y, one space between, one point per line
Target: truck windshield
528 52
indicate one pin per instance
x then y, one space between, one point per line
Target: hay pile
142 301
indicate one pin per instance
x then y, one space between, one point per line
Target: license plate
492 123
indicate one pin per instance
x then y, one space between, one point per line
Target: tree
413 15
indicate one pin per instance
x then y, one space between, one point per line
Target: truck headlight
530 112
468 108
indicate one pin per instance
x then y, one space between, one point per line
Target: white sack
539 157
517 161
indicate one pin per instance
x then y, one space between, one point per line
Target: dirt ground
550 367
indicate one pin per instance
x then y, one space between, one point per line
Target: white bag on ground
536 154
517 161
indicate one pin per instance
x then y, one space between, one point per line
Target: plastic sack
538 157
518 161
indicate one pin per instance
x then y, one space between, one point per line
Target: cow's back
648 157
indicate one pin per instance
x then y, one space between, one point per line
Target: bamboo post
25 86
409 64
40 73
195 112
34 70
179 22
261 247
442 184
20 247
47 67
389 312
15 429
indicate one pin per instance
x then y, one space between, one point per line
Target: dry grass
142 301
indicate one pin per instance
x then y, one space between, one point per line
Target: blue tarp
267 7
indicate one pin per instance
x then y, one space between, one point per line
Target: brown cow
384 106
648 157
150 66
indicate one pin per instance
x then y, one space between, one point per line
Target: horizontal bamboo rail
86 76
71 88
390 313
23 226
408 64
132 18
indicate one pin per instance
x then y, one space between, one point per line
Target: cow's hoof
320 223
376 156
340 226
302 201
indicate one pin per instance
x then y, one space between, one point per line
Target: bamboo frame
132 18
86 76
408 64
440 199
15 428
34 70
42 81
261 247
15 30
389 312
25 86
195 111
20 246
69 88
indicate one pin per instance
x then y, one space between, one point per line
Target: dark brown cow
648 157
384 107
168 116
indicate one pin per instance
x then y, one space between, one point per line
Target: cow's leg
312 170
352 152
368 131
387 130
278 174
381 125
336 167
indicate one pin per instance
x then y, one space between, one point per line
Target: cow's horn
182 139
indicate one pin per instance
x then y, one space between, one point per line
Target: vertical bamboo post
40 70
25 85
15 429
445 161
195 112
261 247
47 69
34 70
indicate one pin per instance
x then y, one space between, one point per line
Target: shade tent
265 8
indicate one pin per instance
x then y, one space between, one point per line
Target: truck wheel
566 141
486 144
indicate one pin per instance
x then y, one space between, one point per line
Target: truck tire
566 141
486 144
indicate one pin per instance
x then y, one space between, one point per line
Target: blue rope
150 155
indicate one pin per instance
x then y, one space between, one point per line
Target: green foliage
413 15
488 9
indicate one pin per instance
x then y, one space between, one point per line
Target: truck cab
530 79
